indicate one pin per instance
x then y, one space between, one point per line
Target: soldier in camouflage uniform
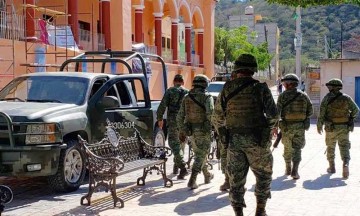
194 120
172 100
295 109
337 112
223 156
246 110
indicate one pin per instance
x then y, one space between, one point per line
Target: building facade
37 35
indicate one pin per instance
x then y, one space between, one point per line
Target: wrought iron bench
115 155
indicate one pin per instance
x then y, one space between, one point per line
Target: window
168 43
137 87
124 93
163 42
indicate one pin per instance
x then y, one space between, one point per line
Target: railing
195 60
91 41
11 26
167 55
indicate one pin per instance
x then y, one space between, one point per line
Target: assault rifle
277 141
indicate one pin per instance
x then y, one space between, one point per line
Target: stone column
188 43
73 20
174 40
158 32
105 22
138 23
200 40
30 20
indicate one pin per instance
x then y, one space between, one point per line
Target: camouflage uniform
194 120
295 109
337 113
172 100
248 117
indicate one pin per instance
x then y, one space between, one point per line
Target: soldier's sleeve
354 109
180 118
218 116
270 108
309 109
321 117
209 105
162 106
279 104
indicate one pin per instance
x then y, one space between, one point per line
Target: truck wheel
159 137
71 170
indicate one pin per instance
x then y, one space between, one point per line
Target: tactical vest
338 110
296 110
175 101
195 114
245 110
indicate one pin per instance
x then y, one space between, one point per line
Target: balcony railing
91 41
11 26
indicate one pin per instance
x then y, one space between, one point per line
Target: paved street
316 193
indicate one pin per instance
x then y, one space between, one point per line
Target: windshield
56 89
215 87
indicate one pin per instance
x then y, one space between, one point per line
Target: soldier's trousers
244 152
294 141
223 158
201 142
176 147
340 135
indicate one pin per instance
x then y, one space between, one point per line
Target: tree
232 43
308 3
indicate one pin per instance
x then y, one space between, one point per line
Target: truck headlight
42 133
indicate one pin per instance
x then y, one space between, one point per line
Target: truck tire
71 169
159 137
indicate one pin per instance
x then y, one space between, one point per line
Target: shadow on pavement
208 203
282 183
175 196
322 182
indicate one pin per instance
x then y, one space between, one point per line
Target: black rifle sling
334 98
291 100
225 100
197 102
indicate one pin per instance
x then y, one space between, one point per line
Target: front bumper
14 161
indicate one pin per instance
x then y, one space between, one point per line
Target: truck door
123 103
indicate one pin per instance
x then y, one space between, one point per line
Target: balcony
11 26
91 41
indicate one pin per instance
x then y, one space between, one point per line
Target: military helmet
290 77
179 78
200 80
334 83
245 61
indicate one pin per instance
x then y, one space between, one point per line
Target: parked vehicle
41 115
215 88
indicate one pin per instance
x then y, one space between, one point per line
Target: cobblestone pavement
316 193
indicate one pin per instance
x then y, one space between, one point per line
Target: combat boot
238 211
288 169
226 185
345 170
175 169
294 171
183 173
260 209
208 177
192 182
331 168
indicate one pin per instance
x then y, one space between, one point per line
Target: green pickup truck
41 115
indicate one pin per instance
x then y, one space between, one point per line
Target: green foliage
229 44
308 3
316 24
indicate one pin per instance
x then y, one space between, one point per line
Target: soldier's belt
243 130
292 121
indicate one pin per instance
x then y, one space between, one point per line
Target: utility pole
298 42
267 48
